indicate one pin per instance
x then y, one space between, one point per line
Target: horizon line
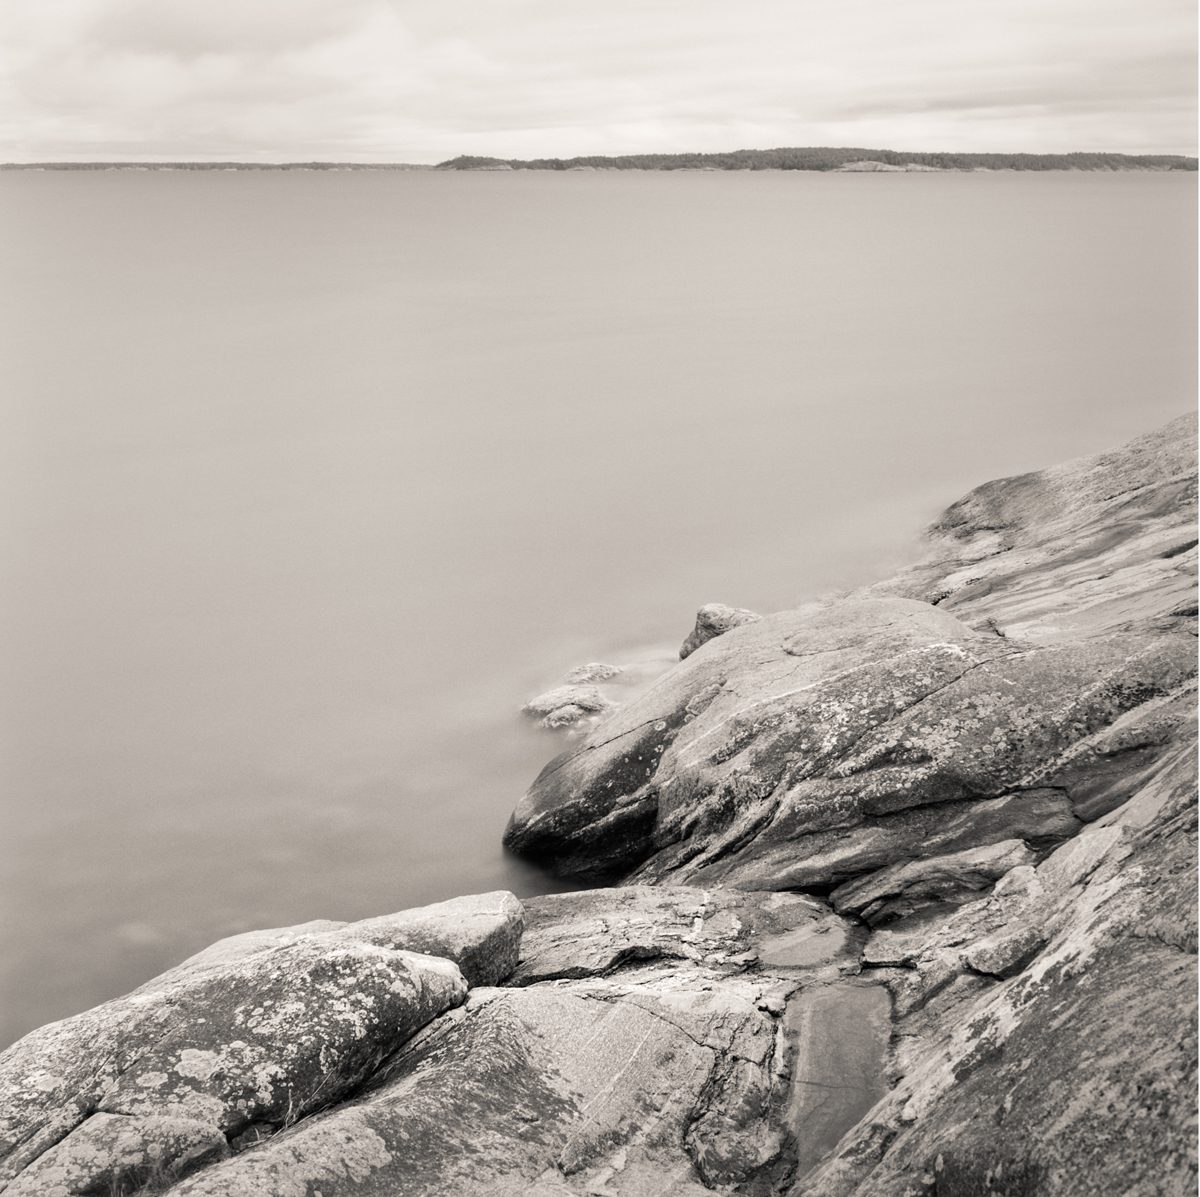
216 161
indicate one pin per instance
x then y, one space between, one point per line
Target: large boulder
247 1037
481 933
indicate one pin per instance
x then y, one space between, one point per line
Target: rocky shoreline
899 898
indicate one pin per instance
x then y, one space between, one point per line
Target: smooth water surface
311 479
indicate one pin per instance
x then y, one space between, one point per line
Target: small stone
566 705
594 671
1006 953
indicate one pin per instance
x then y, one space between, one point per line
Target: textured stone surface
112 1153
1091 544
543 1090
903 889
595 932
1077 1073
735 766
480 933
714 619
257 1030
647 1044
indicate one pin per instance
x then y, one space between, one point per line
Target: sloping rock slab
903 889
825 719
1080 547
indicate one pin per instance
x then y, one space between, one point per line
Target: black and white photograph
598 599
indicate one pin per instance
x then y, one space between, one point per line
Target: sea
311 479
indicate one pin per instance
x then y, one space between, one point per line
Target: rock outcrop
1018 684
241 1040
906 907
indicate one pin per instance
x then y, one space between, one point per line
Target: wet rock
595 671
567 705
901 889
714 619
842 1036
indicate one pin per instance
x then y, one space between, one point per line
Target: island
818 158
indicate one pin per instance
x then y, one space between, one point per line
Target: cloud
397 79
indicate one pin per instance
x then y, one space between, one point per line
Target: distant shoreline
819 159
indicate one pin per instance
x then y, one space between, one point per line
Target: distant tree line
808 158
829 158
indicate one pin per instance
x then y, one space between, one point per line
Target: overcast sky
423 80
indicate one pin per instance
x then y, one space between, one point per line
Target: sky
409 81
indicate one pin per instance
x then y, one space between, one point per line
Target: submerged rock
595 671
714 619
567 705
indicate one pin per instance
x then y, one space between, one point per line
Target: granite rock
714 619
257 1031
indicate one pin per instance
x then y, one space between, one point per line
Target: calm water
311 479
